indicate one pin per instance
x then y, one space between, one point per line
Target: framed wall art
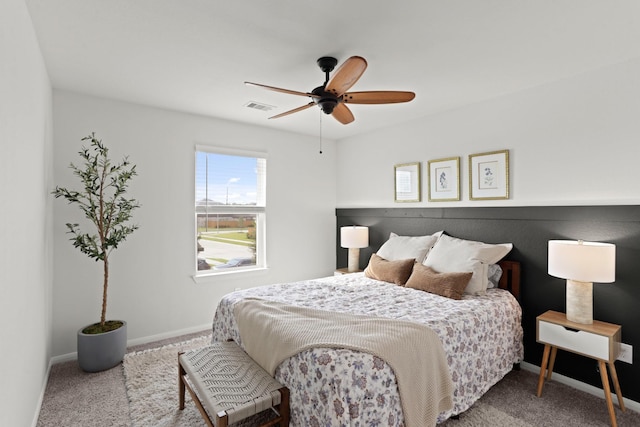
489 175
407 182
444 179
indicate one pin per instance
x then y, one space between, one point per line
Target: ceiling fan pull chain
320 132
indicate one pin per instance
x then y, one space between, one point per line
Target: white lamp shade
582 261
354 236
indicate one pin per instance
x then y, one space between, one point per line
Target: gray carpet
75 398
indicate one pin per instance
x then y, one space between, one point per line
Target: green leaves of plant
102 200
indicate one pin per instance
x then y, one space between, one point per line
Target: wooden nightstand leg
543 368
607 392
616 384
552 361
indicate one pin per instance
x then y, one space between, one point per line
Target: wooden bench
230 386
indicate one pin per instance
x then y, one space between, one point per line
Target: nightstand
599 340
341 271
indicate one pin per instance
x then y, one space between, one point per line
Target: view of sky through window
226 179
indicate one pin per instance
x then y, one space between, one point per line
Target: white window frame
259 211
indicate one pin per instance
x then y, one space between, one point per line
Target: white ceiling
194 55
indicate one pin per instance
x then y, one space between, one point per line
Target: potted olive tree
102 201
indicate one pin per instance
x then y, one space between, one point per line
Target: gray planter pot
99 352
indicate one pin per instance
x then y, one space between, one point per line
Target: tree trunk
104 290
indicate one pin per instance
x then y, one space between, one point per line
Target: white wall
25 217
571 142
151 284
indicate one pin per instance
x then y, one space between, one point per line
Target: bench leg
283 411
181 374
222 419
183 386
284 406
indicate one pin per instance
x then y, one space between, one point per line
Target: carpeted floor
124 396
75 398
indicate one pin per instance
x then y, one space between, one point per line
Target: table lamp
354 237
581 264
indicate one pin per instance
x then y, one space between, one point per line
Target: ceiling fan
332 96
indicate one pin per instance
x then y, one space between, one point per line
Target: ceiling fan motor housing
327 100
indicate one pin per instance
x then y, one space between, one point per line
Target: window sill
210 277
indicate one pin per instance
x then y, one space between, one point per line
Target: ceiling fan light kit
332 96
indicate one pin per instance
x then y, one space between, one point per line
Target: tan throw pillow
389 271
450 285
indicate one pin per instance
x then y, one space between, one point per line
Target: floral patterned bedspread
481 336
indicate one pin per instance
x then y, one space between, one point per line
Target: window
230 204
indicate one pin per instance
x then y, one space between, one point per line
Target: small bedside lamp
354 238
581 263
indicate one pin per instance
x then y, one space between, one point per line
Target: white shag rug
151 380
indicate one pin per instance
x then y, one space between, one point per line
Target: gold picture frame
489 175
444 179
406 182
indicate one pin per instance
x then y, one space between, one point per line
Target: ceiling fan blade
347 75
295 110
343 114
277 89
377 97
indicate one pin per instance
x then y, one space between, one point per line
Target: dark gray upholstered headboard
529 229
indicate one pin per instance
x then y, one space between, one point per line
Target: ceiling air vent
259 106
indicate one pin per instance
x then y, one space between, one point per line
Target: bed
480 334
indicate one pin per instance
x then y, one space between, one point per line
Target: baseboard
587 388
172 334
137 341
36 416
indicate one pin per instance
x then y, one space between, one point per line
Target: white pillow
494 273
452 255
404 247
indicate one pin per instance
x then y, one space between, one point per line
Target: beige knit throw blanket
272 332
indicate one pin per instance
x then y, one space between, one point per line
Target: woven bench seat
230 386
